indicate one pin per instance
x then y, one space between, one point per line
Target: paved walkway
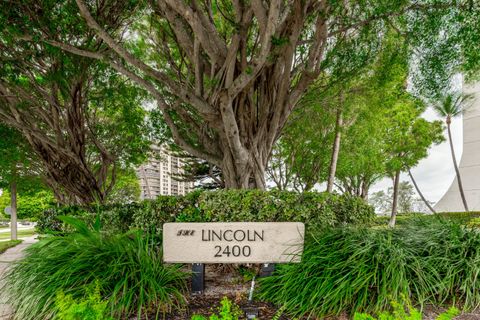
6 259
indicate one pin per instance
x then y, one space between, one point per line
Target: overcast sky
435 173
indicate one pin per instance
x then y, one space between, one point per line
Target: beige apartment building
156 175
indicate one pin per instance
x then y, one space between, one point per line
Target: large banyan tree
227 74
67 107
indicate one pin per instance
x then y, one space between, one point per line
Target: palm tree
451 106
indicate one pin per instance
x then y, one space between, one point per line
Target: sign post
13 221
198 278
265 243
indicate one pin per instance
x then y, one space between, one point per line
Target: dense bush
361 269
155 213
49 220
313 208
128 269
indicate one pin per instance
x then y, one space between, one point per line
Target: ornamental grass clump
127 268
361 269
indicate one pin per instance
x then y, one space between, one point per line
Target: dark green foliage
313 208
353 269
50 223
128 269
166 209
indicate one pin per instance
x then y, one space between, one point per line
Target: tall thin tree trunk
457 171
393 217
420 193
13 204
335 150
364 193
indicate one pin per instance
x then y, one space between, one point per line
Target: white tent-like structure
470 162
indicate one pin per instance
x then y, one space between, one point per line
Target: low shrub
313 208
128 269
90 307
475 222
463 217
360 269
405 311
227 311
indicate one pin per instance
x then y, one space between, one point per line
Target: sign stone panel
233 242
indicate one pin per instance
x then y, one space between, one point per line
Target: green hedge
314 208
460 217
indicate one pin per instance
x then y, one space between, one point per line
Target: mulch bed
206 305
220 283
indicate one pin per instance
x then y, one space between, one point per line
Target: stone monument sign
233 242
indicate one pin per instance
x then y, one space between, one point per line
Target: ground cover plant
90 307
127 267
228 310
399 313
431 260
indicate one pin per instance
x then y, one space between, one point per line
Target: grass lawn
20 233
8 244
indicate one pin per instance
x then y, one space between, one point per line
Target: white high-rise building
470 163
157 175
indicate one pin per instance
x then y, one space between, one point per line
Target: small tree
31 200
350 113
408 138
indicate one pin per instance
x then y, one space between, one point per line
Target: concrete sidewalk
6 260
